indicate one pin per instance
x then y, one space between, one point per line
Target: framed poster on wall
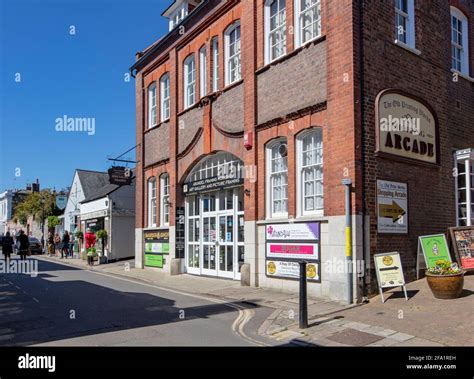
287 245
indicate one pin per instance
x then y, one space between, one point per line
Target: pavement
420 321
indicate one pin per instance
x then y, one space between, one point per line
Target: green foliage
53 221
101 234
445 267
79 235
37 204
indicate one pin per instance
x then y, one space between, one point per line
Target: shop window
465 187
277 179
275 29
405 22
215 64
459 42
152 105
164 199
309 165
307 21
203 71
165 97
232 56
152 203
189 81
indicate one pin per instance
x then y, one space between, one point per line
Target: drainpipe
363 281
349 265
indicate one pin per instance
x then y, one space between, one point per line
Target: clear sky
79 75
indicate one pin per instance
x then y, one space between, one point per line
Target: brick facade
331 83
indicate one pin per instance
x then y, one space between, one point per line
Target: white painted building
6 209
84 184
112 208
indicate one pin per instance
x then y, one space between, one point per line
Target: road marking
243 317
35 299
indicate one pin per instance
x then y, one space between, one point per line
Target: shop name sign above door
211 184
407 127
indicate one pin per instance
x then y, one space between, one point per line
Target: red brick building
251 113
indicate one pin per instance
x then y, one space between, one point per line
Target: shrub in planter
445 279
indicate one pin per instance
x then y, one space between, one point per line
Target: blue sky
79 75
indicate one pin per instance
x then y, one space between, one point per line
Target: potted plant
102 235
445 279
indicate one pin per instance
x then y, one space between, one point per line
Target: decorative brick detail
157 144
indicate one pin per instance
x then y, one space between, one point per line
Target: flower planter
446 286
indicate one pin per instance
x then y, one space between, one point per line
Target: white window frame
203 71
299 13
189 63
464 48
151 196
165 97
269 33
152 106
164 199
269 180
300 184
410 24
215 64
237 56
177 16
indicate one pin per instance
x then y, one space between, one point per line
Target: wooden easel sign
388 267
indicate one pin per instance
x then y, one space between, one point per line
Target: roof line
153 49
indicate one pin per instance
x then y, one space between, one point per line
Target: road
69 306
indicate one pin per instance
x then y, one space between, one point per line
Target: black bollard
303 297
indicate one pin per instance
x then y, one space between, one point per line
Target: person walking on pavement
90 243
24 245
7 247
71 245
57 243
65 246
50 244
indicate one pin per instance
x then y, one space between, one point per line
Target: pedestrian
71 245
7 247
50 244
90 244
65 246
57 243
23 245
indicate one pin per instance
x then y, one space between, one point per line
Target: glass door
215 233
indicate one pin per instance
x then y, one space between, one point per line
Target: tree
37 204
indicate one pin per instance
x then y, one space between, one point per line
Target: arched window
164 199
152 105
277 178
459 41
309 172
203 71
232 54
165 97
152 202
275 29
189 81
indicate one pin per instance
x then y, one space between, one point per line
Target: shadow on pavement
69 308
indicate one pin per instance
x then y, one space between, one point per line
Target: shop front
214 217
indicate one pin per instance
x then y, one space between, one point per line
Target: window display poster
463 245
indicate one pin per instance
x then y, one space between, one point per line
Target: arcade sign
407 127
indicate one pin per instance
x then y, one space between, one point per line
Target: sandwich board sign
433 248
388 267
